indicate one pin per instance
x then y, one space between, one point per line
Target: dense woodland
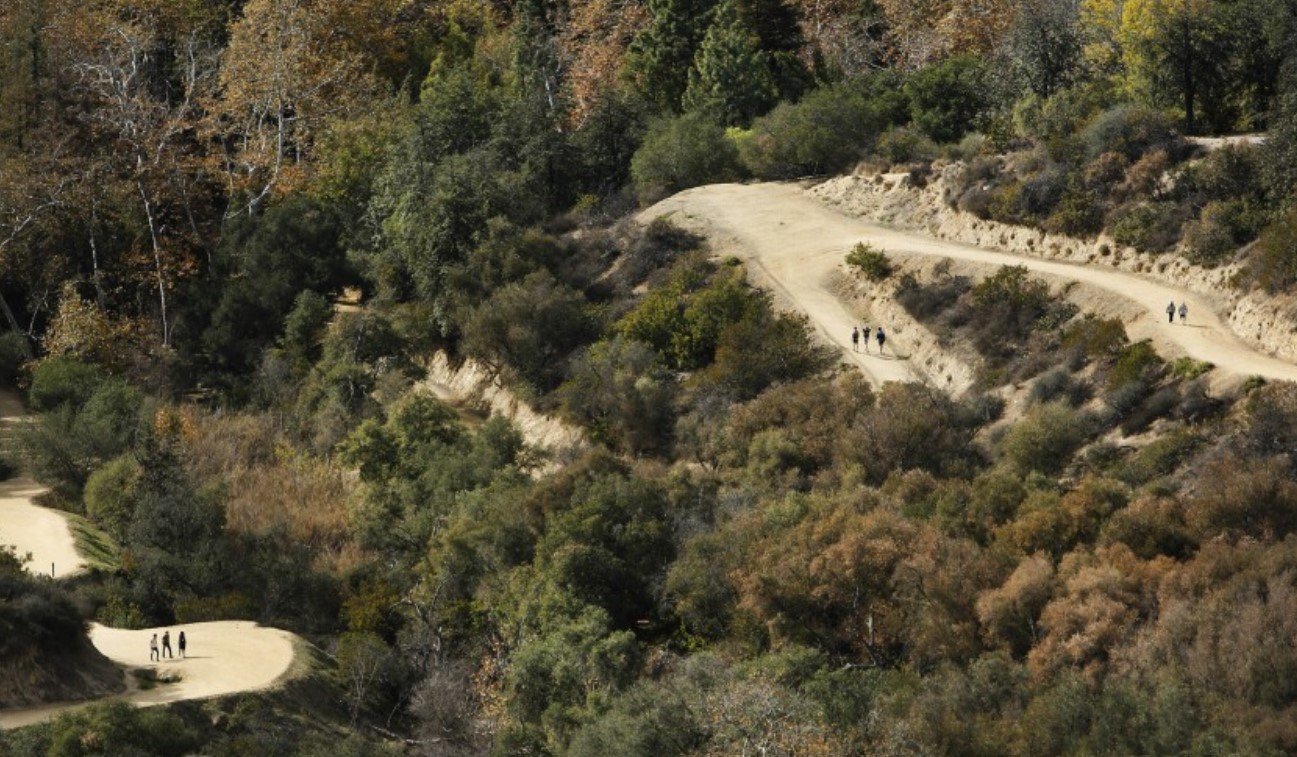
759 553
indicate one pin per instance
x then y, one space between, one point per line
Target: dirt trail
224 657
796 243
28 527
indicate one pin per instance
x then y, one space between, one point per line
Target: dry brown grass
270 486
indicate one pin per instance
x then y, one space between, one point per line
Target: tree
947 99
731 79
680 153
621 390
1044 44
662 55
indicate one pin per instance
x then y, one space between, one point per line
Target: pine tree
661 56
731 78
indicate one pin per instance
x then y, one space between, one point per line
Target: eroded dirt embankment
1266 322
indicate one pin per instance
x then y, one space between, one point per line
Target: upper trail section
795 244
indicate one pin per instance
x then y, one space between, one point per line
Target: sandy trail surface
27 527
795 244
224 657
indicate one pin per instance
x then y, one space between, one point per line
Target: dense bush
873 263
1149 226
1129 130
12 356
621 391
1045 439
903 144
63 381
1274 266
680 153
947 99
825 132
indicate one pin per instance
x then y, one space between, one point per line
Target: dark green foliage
872 262
826 131
111 494
529 327
63 381
13 354
683 152
1274 266
648 721
1129 130
1150 226
621 391
265 261
67 444
731 80
763 349
947 99
662 56
36 616
304 325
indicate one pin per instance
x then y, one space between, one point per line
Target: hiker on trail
855 339
882 338
166 645
865 333
1184 312
1170 312
181 643
153 649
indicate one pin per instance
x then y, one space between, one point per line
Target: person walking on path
865 334
855 339
181 644
1184 312
882 339
166 645
1170 312
153 649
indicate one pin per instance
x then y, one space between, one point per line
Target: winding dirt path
224 657
795 244
30 528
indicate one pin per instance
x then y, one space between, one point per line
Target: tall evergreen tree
731 78
660 57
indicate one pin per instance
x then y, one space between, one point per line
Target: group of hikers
862 334
156 654
1171 311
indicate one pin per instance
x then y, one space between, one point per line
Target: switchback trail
28 527
224 657
795 244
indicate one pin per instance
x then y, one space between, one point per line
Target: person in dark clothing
180 643
882 339
166 645
1170 312
855 339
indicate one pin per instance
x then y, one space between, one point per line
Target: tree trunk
157 261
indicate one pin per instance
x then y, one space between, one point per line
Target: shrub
110 495
621 390
13 354
529 327
763 349
1045 438
1138 362
63 380
826 132
904 144
680 153
1128 129
1274 265
1078 213
1148 226
947 99
872 262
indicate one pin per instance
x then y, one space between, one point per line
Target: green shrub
621 390
1079 213
1045 439
1130 130
60 381
904 144
1148 226
872 262
826 132
1274 266
683 152
110 495
1138 362
947 99
12 356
